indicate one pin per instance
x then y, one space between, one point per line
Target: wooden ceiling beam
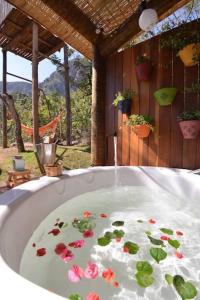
75 17
131 28
26 30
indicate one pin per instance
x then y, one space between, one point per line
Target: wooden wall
165 147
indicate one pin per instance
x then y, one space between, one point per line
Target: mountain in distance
55 82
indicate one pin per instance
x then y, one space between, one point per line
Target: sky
22 67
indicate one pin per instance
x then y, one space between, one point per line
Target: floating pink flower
116 284
92 296
108 275
41 252
179 255
152 221
33 245
179 233
164 238
87 214
91 272
66 255
88 234
77 244
60 248
75 273
54 232
103 216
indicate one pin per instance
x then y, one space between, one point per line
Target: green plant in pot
141 125
123 100
189 123
143 67
165 96
186 43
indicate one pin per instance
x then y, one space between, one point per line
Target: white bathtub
24 207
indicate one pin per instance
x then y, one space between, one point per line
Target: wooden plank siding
165 147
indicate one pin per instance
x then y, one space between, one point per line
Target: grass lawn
75 157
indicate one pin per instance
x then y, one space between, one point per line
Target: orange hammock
42 130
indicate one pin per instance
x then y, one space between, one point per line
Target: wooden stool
18 177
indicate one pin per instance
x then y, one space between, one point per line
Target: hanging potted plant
165 96
189 123
123 101
186 43
143 68
141 125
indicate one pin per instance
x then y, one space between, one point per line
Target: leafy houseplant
123 101
165 96
141 125
189 123
143 68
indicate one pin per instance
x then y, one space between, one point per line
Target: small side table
18 177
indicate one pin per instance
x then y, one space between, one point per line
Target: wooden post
67 95
4 117
35 91
98 109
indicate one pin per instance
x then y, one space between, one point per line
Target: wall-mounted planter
165 96
188 53
125 106
142 131
143 71
190 129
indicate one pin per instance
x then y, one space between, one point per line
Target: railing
5 9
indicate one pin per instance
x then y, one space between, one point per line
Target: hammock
42 130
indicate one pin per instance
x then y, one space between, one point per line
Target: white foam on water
126 203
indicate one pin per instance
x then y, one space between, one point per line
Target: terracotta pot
143 71
188 53
190 129
53 170
165 96
125 106
142 131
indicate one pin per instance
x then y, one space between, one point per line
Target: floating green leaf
167 231
158 254
65 225
132 247
83 224
144 279
174 243
109 235
169 278
155 241
75 297
148 232
145 267
118 223
60 225
118 233
185 289
103 241
140 221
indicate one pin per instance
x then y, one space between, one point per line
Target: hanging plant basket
189 54
125 106
190 129
143 71
142 131
165 96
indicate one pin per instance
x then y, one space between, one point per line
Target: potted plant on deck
143 68
141 125
123 100
165 96
189 123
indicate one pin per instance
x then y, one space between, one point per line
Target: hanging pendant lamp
148 17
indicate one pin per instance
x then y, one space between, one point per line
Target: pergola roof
78 22
16 35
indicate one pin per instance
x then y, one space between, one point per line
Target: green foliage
174 243
169 279
167 231
139 120
143 276
103 241
158 254
75 297
188 116
140 59
155 241
185 289
144 266
124 95
84 224
131 247
118 223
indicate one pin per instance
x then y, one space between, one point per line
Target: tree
9 103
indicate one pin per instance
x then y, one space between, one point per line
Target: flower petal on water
60 248
87 214
152 221
66 255
75 273
92 296
88 234
41 252
54 231
77 244
91 272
